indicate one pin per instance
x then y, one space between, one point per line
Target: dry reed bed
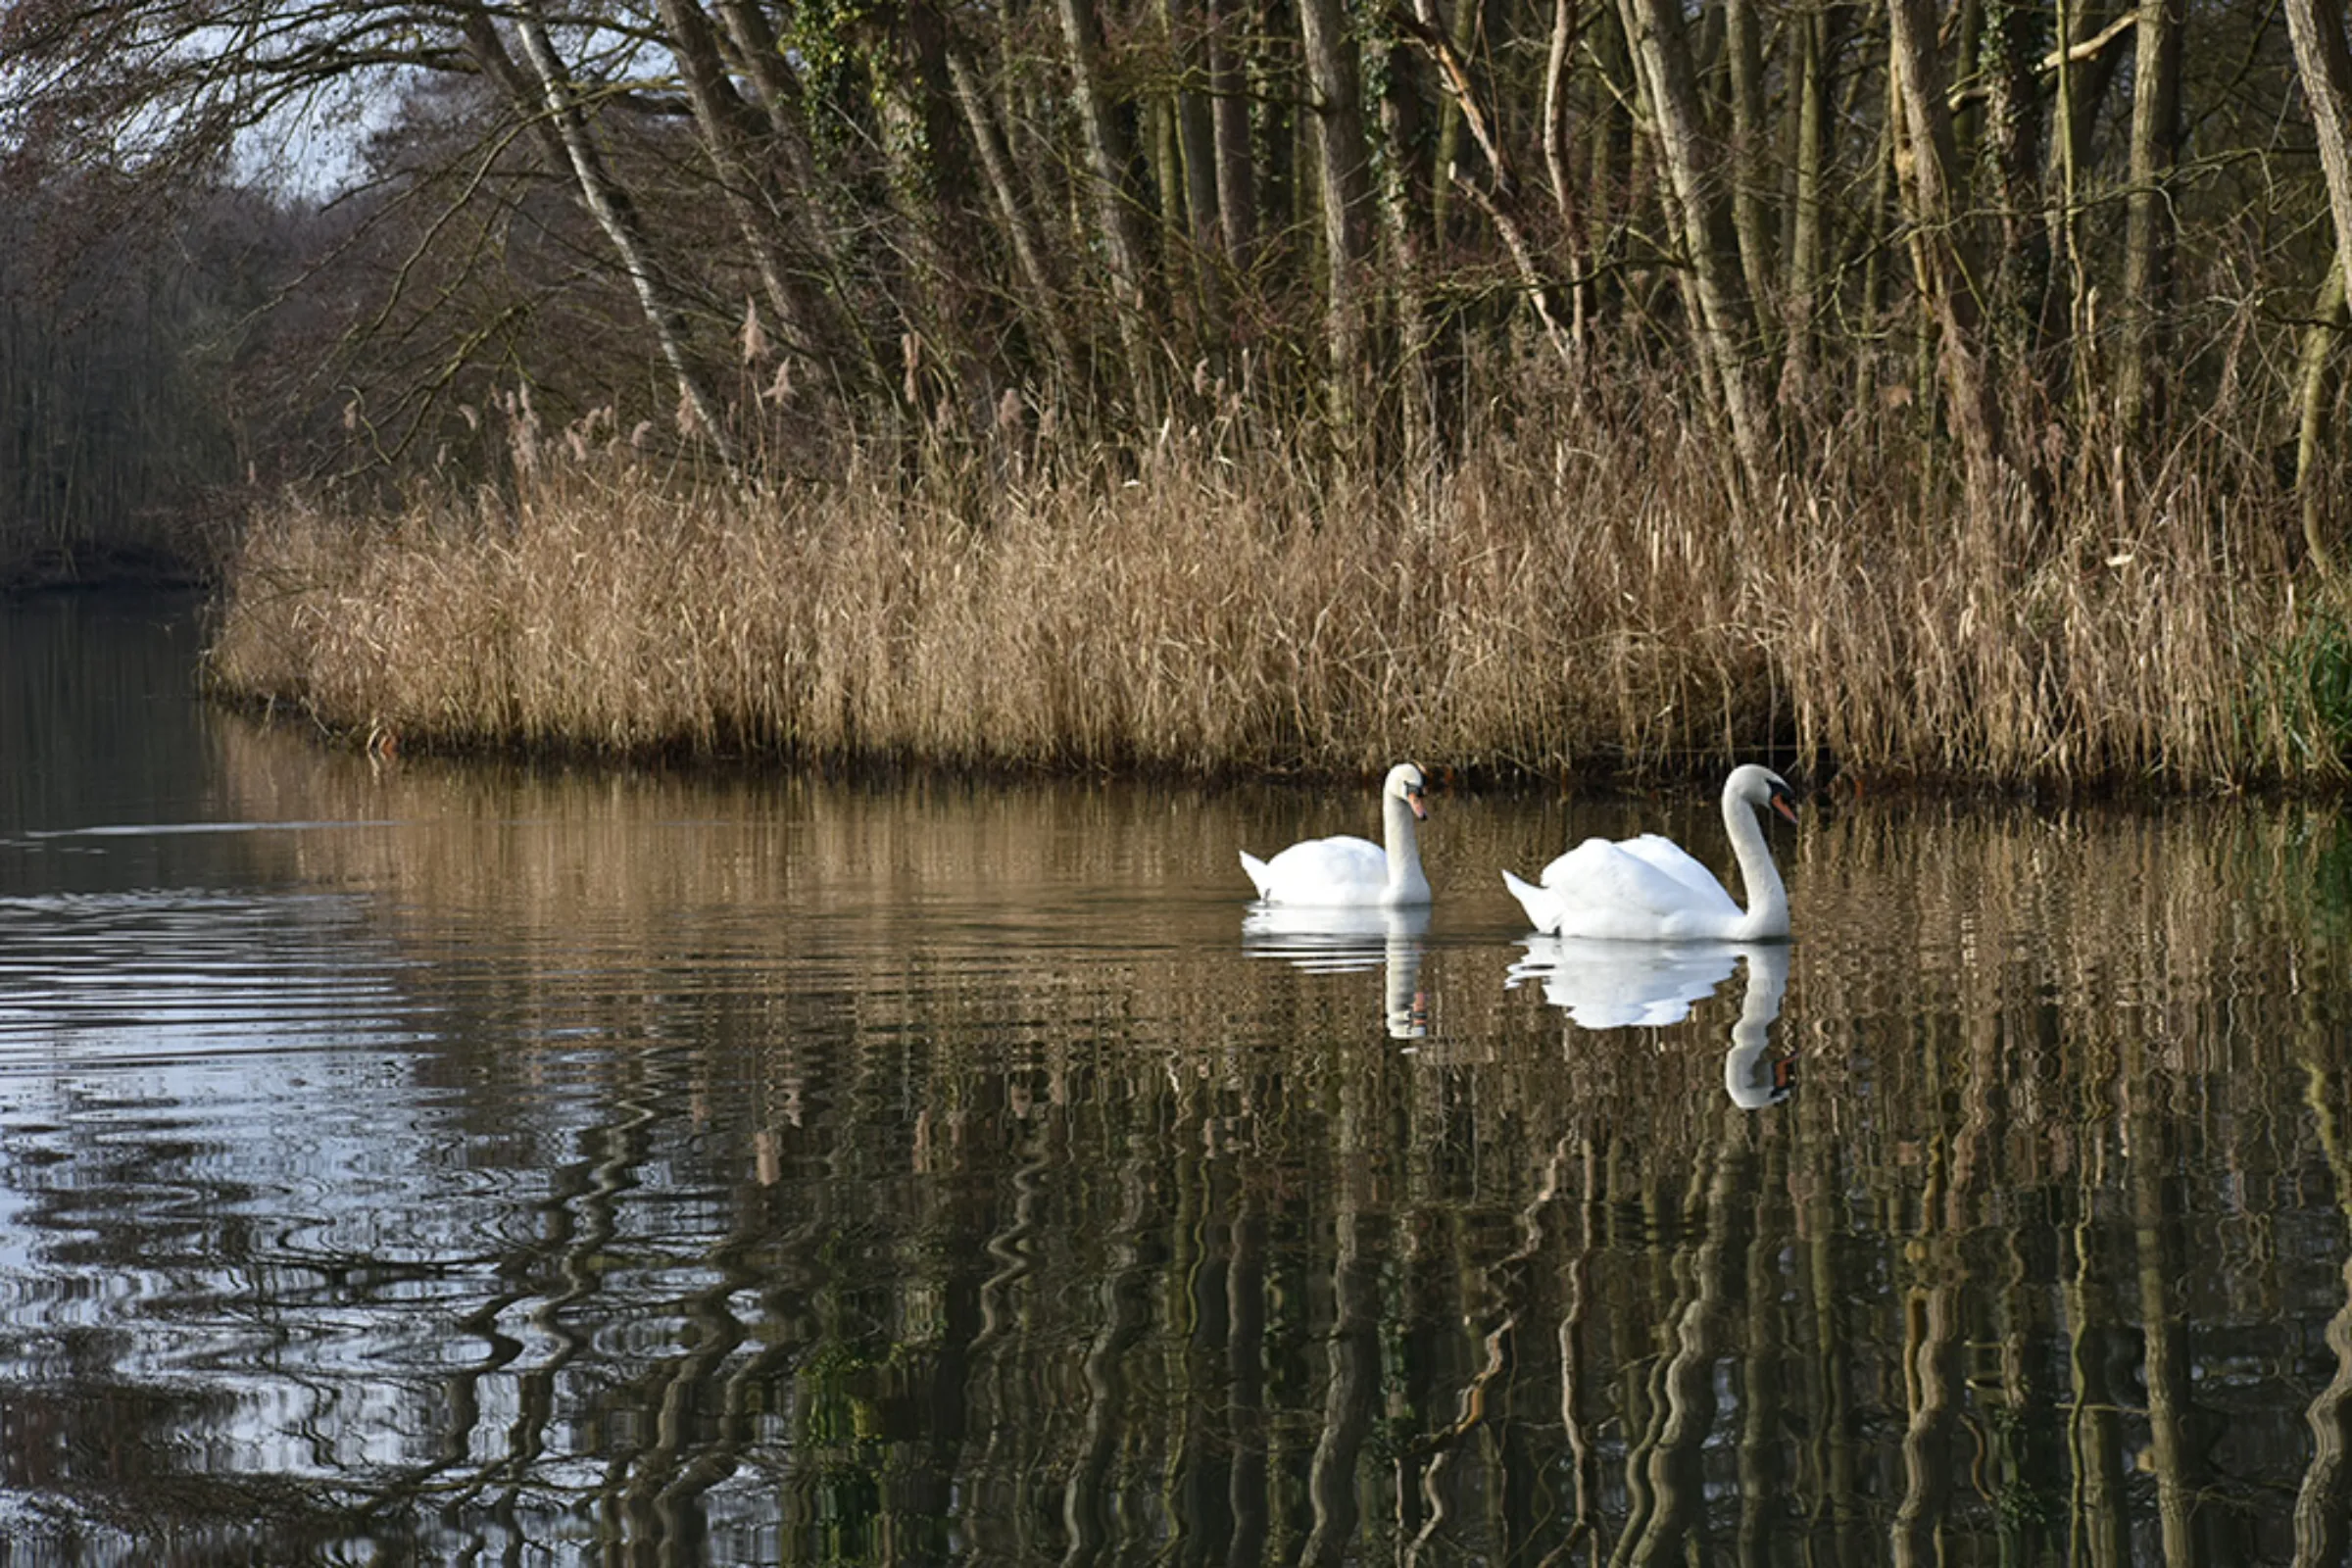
1546 607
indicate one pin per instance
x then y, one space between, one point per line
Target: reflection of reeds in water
1160 1248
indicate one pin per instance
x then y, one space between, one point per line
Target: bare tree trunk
1609 160
609 203
719 116
1523 258
1404 203
1566 25
1947 266
1278 89
1963 28
759 57
1808 137
1229 113
946 304
2330 319
1165 157
2084 66
1724 323
1745 49
1863 242
2148 209
2021 291
1455 27
846 261
1041 304
2067 125
1504 205
1345 181
2015 119
488 47
1107 159
1196 155
2324 59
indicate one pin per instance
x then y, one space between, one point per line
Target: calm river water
455 1163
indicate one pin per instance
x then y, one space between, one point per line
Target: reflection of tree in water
2329 861
2324 1498
824 1240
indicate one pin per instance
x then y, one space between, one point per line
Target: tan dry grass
1550 606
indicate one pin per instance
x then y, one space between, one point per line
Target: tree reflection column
1931 1311
2164 1367
2322 1503
2102 1531
1353 1355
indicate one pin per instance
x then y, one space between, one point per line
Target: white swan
1348 870
1646 889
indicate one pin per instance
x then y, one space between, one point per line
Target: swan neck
1404 843
1767 899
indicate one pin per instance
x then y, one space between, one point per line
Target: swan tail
1542 909
1262 876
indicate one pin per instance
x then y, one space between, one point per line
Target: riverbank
1554 606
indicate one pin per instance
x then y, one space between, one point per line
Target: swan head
1406 784
1762 788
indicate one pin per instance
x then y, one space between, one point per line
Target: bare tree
2331 318
1107 159
2323 60
2149 223
1949 268
1345 190
617 215
1726 325
927 203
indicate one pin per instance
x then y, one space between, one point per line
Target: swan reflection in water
1619 985
1344 940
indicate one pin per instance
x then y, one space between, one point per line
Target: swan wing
1542 906
1341 870
1679 863
1607 890
1653 849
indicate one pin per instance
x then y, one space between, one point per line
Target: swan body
1648 888
1350 871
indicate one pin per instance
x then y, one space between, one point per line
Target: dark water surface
433 1163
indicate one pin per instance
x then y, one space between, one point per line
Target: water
420 1162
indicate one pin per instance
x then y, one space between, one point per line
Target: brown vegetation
1281 384
1578 598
